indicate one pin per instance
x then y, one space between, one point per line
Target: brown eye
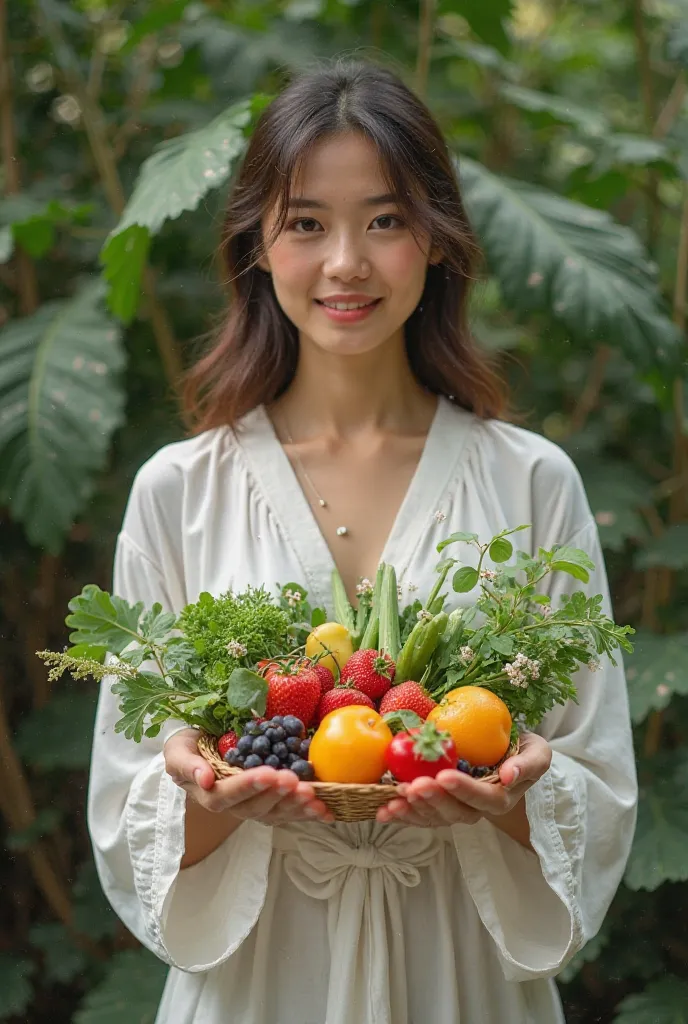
386 221
308 224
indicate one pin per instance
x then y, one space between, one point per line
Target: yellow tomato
349 746
336 640
478 721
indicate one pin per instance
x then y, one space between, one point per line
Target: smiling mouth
345 306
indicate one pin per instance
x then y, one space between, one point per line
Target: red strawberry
341 697
226 742
369 671
293 692
325 676
408 696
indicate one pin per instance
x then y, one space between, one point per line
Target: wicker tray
347 800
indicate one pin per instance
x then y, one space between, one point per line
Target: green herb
522 649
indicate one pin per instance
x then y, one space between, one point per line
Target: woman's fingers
530 764
184 764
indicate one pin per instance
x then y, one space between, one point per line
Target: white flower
400 591
236 649
293 597
488 574
594 665
466 654
423 614
522 670
440 516
364 587
412 587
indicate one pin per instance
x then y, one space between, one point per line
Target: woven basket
347 800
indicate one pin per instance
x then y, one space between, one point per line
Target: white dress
369 923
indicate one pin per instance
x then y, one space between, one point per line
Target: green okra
425 650
389 639
343 612
372 630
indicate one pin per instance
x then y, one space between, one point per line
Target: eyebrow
315 204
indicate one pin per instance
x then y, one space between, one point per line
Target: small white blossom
466 654
423 614
364 587
293 597
594 665
488 574
440 516
400 591
236 649
522 670
412 587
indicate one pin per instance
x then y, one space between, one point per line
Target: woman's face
344 242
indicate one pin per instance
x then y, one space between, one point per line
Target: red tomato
420 752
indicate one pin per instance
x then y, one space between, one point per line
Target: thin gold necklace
342 531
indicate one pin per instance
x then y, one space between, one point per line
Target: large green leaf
175 178
615 492
560 108
557 256
657 668
59 735
99 619
62 960
485 18
661 838
662 1002
129 994
15 989
670 550
621 149
61 398
32 223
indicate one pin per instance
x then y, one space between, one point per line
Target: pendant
322 503
342 531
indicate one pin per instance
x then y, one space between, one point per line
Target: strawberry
369 671
226 742
408 696
293 691
325 676
341 697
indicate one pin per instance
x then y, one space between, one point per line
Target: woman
345 417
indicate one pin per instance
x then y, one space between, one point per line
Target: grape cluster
477 772
278 743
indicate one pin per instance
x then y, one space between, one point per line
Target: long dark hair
253 355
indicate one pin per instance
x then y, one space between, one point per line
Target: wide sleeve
195 918
540 908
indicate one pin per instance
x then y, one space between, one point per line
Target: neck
344 396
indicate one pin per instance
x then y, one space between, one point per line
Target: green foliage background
120 125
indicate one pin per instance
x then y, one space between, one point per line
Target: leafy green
130 991
663 1002
250 618
175 178
661 837
657 668
569 260
101 620
15 990
61 399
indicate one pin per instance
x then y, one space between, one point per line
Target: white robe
369 923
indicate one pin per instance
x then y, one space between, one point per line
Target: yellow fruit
478 721
336 640
350 745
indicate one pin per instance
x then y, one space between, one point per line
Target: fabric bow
358 870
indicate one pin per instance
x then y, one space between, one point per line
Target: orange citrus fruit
478 721
349 745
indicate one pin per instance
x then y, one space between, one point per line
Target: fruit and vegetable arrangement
376 695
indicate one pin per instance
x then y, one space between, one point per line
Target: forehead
342 168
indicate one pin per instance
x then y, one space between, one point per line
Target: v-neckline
272 470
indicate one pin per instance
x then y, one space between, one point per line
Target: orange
350 745
478 721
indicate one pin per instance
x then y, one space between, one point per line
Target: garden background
120 126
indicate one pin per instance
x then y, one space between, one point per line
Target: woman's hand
262 794
454 798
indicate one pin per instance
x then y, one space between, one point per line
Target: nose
346 258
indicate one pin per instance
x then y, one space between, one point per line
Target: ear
436 256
